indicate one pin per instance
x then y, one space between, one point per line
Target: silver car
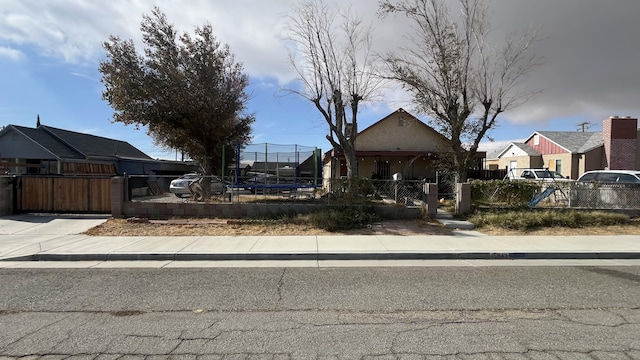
180 186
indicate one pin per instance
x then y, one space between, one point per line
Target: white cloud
12 54
590 54
491 146
91 131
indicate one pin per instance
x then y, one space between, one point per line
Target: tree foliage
455 76
188 91
333 61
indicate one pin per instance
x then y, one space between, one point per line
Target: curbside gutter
615 255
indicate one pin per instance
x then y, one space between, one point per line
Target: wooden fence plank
100 195
35 194
64 194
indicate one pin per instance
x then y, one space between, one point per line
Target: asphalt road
327 313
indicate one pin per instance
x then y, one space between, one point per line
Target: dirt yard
229 227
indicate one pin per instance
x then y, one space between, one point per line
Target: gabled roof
400 132
49 143
96 146
66 144
495 154
404 112
522 146
572 141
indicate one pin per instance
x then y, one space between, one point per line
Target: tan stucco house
572 153
397 144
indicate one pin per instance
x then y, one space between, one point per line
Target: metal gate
62 194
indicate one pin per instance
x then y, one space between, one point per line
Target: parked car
611 176
180 186
536 174
611 189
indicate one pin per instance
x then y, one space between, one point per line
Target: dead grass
229 227
633 228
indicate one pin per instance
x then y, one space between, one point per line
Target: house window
383 169
536 139
559 166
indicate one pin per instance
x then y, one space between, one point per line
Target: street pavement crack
279 288
611 320
38 330
172 351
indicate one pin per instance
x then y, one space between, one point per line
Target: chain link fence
173 188
556 194
178 189
512 193
581 195
605 196
403 192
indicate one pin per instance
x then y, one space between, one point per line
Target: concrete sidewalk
34 238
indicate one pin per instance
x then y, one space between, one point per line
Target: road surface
328 313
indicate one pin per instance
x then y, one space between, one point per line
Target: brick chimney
619 137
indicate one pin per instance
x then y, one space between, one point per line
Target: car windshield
611 177
588 177
542 174
629 178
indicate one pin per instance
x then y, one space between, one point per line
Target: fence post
431 191
6 195
463 198
117 196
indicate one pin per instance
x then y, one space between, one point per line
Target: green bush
531 220
343 218
513 193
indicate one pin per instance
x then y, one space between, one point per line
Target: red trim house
616 147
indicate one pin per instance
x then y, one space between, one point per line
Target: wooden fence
59 194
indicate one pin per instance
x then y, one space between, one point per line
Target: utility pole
584 126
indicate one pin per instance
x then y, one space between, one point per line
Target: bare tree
455 76
333 61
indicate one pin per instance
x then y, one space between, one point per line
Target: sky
50 50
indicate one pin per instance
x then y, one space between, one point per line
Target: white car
611 176
536 174
180 186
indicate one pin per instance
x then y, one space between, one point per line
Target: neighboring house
572 153
397 144
49 150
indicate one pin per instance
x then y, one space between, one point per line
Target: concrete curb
335 256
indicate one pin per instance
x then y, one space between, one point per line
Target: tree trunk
206 180
352 172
